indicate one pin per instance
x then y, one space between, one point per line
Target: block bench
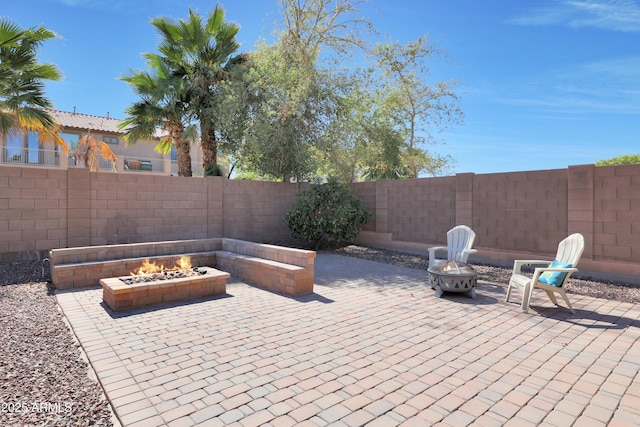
288 271
271 275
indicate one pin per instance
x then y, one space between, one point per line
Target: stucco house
141 157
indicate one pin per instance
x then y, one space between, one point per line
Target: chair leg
566 299
526 297
506 299
552 297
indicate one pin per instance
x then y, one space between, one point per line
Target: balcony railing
30 156
144 165
52 158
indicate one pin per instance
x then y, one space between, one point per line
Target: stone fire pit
123 293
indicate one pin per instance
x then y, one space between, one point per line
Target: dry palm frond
89 151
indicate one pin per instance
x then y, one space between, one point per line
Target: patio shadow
585 318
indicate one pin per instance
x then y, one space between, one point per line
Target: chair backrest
459 238
570 249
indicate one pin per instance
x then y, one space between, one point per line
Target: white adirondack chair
569 253
459 242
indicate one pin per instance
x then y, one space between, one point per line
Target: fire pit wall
284 270
122 296
85 266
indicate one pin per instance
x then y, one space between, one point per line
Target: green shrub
328 212
213 170
627 159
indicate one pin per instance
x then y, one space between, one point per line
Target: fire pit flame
147 267
451 265
150 271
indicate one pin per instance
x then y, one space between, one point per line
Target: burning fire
150 271
451 265
147 267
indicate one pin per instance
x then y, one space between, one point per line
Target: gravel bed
608 290
43 379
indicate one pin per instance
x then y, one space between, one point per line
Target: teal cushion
554 278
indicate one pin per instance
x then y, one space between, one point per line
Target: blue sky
544 84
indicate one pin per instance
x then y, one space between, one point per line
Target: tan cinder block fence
43 209
514 214
517 215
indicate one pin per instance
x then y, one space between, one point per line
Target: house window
110 139
14 151
72 142
174 154
33 148
71 139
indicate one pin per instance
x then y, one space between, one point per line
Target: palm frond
164 146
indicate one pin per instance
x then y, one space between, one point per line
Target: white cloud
622 69
616 15
601 87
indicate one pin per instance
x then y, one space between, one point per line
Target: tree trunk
183 148
208 144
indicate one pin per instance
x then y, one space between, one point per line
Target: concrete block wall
371 195
517 215
43 209
256 211
616 213
421 209
33 211
132 208
520 211
514 214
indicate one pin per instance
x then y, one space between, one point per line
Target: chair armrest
519 263
540 270
468 252
434 249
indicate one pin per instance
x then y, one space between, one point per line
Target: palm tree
22 101
164 105
88 152
200 51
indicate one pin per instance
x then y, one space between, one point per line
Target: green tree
200 50
164 105
23 102
301 112
284 98
364 141
285 111
313 25
419 108
626 159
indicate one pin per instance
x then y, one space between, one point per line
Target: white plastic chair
459 242
569 252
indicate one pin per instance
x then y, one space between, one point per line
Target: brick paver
373 345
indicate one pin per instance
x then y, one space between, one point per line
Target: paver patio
373 346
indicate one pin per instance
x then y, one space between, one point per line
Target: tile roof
86 121
96 123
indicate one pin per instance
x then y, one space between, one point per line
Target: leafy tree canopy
627 159
303 109
322 100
